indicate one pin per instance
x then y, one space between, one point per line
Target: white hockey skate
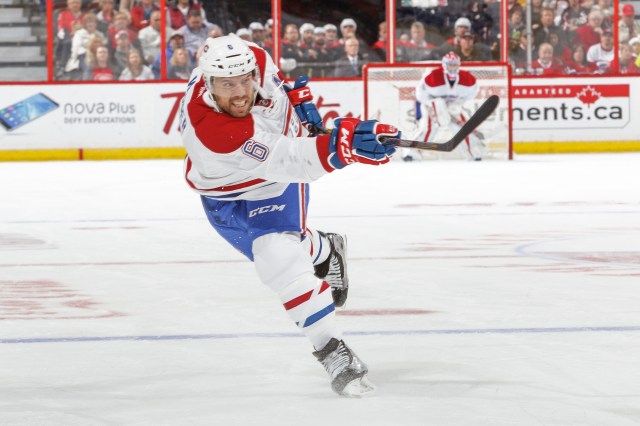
347 372
334 269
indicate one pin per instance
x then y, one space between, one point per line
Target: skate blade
358 388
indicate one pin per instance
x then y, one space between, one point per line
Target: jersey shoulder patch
466 78
435 78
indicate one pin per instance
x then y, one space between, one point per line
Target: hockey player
442 92
250 157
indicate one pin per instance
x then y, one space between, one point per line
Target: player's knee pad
280 258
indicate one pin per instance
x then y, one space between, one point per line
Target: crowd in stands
109 40
574 37
102 40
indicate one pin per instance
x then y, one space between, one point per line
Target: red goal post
389 96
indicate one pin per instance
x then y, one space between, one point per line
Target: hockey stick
481 114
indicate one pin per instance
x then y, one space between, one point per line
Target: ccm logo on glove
346 132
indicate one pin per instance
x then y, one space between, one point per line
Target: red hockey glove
355 141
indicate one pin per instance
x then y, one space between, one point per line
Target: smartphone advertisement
25 111
83 116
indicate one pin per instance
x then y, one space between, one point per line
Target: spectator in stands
628 27
179 13
244 34
606 8
546 64
195 32
180 65
350 64
291 52
518 55
95 41
482 24
461 27
324 66
331 41
306 42
319 44
589 34
348 28
516 27
541 34
121 51
105 15
150 38
536 11
469 51
125 5
290 47
141 14
578 63
635 48
560 50
257 33
70 19
175 41
627 61
511 5
418 49
319 38
99 65
602 53
121 23
572 17
311 55
76 63
379 48
136 69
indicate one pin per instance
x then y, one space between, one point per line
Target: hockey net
389 96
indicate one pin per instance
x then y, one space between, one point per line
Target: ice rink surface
490 293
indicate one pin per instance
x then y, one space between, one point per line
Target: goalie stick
478 117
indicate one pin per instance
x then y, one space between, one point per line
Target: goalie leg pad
439 112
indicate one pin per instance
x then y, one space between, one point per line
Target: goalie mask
451 65
230 72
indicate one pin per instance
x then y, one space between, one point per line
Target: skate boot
334 269
347 372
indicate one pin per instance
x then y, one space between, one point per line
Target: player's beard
239 106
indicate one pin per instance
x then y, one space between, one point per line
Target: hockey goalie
440 97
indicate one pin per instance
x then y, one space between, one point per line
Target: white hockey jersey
250 158
435 85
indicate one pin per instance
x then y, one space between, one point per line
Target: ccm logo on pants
267 209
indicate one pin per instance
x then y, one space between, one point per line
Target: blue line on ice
218 336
